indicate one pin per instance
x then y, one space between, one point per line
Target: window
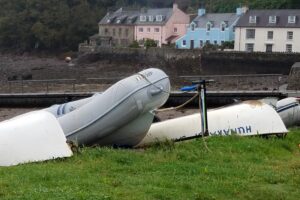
252 19
249 47
222 42
143 18
292 19
215 42
250 33
192 27
159 18
156 30
207 42
148 30
141 30
272 19
126 32
223 26
270 35
208 26
114 32
175 30
269 48
201 43
106 31
289 48
183 42
290 35
150 18
120 31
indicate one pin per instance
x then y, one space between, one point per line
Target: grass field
236 168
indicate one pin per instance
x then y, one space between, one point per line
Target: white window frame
252 19
247 45
183 41
270 38
159 18
272 19
151 18
193 26
201 43
247 35
289 48
290 35
208 26
292 19
143 18
223 25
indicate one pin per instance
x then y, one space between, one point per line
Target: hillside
52 25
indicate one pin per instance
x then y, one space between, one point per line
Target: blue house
213 28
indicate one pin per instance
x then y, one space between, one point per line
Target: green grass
236 168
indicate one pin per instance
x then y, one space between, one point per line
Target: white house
268 31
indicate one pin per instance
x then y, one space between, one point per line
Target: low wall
178 63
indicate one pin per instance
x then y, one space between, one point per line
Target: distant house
163 25
122 27
117 28
268 31
212 28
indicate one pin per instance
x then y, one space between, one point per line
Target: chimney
201 11
239 11
175 6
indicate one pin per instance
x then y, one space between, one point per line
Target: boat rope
180 106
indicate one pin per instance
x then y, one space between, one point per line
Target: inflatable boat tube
104 118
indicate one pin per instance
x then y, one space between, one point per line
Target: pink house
163 25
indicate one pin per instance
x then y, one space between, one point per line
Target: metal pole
203 108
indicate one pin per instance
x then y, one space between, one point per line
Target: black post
203 105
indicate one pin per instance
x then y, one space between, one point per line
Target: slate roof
263 18
126 17
132 17
216 19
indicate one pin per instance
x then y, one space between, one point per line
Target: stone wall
179 63
294 77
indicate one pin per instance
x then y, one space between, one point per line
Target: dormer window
118 21
143 18
252 19
292 19
192 27
108 21
272 19
159 18
208 26
223 26
150 18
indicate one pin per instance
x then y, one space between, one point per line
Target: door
269 48
192 44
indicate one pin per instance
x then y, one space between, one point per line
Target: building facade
122 27
117 28
212 28
162 25
268 31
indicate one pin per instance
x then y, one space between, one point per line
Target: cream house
268 31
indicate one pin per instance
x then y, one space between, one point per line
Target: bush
150 43
134 44
227 45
